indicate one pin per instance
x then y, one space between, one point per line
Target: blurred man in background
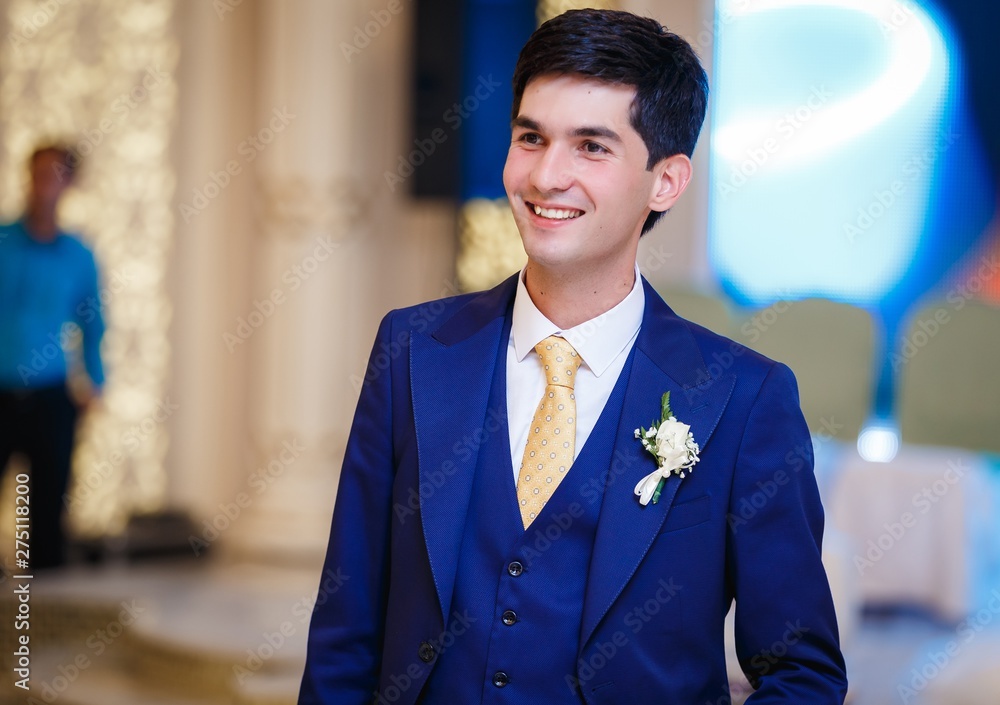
48 286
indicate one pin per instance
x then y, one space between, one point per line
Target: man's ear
673 174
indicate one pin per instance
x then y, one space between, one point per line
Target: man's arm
91 321
346 632
786 629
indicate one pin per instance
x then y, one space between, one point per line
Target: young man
489 520
47 279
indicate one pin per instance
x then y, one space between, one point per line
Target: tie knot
560 361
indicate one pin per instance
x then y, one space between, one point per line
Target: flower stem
656 494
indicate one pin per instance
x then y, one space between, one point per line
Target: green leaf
665 406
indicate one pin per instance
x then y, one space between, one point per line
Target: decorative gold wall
547 9
100 74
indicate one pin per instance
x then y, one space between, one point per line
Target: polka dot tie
548 454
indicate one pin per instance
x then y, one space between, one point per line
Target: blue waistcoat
523 588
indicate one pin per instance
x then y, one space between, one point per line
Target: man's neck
41 225
571 299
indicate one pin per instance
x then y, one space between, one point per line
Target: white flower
671 443
674 448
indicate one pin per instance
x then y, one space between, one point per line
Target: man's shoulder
714 345
722 354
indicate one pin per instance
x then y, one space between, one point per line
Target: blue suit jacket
746 524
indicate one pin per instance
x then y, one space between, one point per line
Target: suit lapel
456 359
667 358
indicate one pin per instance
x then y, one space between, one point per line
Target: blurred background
262 180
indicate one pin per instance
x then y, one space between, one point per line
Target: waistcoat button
426 652
500 679
509 617
515 568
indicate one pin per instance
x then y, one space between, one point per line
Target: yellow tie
548 454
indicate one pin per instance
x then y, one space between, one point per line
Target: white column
307 284
321 248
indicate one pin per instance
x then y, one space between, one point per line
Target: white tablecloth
922 528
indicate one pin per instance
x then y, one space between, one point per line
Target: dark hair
69 160
623 48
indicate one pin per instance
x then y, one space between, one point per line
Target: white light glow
878 442
913 45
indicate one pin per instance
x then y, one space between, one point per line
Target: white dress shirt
603 342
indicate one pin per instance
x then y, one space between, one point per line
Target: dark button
515 568
500 679
426 652
509 617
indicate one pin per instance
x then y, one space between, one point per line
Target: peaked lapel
455 359
667 358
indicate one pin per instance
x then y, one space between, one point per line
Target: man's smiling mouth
556 213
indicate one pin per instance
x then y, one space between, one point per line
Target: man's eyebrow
597 131
584 131
526 123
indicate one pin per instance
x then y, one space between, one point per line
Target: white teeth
556 213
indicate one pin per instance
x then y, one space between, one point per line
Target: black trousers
40 424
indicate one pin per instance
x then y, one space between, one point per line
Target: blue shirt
43 287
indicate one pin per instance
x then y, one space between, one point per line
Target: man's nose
553 171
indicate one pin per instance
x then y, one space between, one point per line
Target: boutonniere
671 443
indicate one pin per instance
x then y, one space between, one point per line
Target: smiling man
505 534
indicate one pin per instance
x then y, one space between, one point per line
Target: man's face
576 173
49 178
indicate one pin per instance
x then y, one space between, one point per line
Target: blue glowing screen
843 163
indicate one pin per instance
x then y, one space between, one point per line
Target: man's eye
594 148
530 138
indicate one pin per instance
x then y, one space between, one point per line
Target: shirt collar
599 340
